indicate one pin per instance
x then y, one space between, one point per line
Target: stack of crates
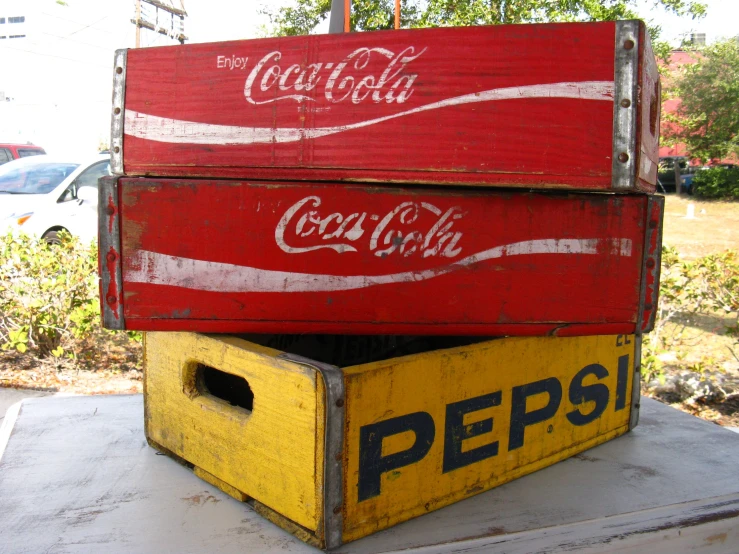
383 272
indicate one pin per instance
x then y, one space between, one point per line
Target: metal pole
138 23
397 14
347 15
336 19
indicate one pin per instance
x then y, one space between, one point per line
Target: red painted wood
648 119
513 105
229 256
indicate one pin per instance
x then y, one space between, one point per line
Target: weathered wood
268 453
475 398
510 105
420 431
240 257
77 477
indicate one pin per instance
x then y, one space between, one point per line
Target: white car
42 195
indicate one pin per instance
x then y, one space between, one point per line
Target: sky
59 75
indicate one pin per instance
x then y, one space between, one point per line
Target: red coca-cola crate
571 105
267 257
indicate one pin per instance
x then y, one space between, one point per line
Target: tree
707 119
367 15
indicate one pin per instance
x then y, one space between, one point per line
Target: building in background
12 22
57 70
679 58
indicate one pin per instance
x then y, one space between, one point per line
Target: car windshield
33 178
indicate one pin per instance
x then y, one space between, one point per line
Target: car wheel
52 237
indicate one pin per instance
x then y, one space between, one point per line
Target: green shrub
707 285
717 182
48 294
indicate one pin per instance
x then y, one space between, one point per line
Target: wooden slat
510 105
647 491
230 256
453 419
269 453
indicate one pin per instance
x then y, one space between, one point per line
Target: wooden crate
333 453
573 105
239 257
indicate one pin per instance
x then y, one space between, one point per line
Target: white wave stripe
161 269
162 129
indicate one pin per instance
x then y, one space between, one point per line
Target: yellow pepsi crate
333 453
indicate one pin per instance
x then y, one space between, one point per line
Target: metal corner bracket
625 105
333 468
651 265
109 251
636 384
118 114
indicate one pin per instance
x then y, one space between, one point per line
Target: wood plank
77 476
268 452
453 423
508 105
239 257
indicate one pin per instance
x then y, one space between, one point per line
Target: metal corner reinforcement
636 384
333 469
117 115
625 103
111 289
651 265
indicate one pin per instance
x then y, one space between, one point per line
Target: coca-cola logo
409 229
373 74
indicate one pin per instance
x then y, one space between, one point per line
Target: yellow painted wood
220 484
289 526
272 453
428 382
275 455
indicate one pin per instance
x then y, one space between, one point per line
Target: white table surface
77 476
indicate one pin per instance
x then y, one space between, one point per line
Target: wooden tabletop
76 475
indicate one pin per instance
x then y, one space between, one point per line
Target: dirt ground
112 363
698 343
714 227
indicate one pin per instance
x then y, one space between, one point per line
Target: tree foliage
707 120
303 16
717 182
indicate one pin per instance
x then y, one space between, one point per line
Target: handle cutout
231 388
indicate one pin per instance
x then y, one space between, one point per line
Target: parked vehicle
44 195
666 174
9 152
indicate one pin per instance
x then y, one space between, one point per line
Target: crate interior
348 350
